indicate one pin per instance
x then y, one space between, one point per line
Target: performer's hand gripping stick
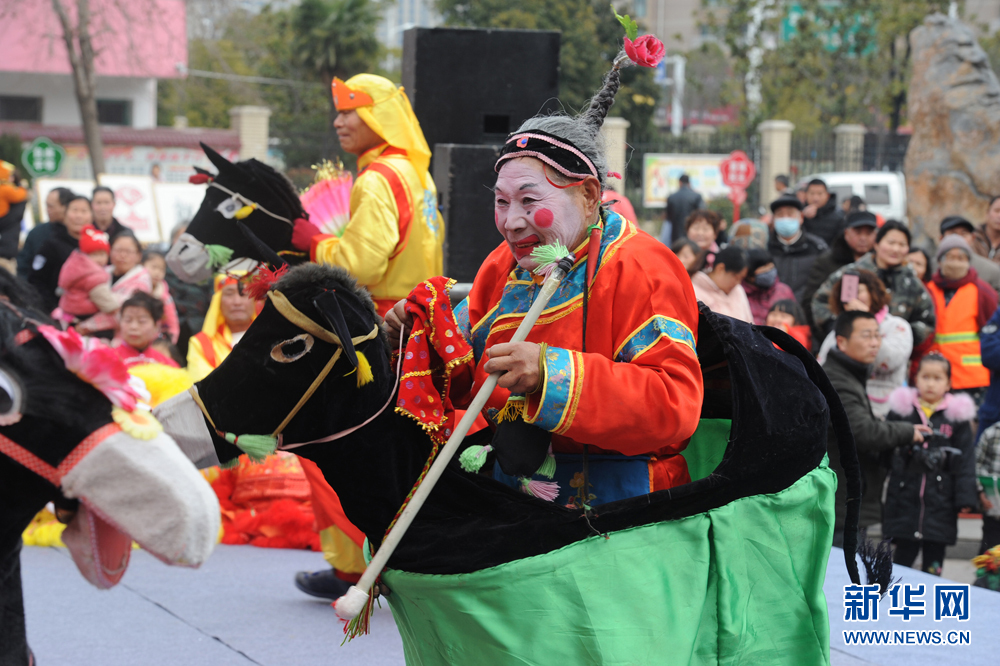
352 603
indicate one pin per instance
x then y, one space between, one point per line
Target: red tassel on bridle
257 284
200 179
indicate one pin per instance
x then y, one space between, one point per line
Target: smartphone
849 288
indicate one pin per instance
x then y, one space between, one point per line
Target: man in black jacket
103 204
55 207
857 240
822 216
794 250
848 367
680 204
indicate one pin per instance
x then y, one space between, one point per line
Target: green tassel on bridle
218 255
257 447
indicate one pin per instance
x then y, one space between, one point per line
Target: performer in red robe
619 386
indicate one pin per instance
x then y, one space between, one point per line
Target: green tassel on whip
473 458
547 256
257 447
218 255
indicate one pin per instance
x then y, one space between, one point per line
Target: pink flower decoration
645 51
93 361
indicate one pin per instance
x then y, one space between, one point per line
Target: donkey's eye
11 399
293 349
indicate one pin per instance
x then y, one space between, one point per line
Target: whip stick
352 603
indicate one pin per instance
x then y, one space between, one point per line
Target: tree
80 48
248 47
205 102
336 38
820 63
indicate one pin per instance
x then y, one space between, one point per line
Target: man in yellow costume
391 244
393 239
229 315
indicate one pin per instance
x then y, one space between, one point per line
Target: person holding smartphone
910 298
863 291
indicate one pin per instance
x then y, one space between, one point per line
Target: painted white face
530 210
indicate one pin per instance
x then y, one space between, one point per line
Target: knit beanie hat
951 242
93 239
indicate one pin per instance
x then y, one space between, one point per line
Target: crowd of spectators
908 334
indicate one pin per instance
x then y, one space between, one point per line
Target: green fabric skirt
740 584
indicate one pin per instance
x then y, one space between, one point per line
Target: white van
884 192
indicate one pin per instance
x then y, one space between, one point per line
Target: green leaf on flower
631 27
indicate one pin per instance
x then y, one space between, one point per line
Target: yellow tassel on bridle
365 374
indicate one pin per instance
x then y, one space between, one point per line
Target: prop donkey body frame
473 524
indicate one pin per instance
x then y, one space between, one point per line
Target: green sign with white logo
43 157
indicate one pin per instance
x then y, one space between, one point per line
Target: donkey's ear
329 306
220 162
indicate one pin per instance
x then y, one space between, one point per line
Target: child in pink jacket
85 285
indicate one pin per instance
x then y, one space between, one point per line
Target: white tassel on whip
351 604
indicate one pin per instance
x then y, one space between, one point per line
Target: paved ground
241 608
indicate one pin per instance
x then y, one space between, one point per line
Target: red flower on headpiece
645 51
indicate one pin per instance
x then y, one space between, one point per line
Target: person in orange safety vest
963 303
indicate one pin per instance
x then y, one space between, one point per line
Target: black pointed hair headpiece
558 150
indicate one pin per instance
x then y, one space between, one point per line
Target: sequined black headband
558 153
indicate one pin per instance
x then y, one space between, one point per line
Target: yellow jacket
393 240
202 358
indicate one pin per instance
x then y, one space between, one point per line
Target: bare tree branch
82 63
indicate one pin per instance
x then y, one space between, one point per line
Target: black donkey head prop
249 211
314 365
63 441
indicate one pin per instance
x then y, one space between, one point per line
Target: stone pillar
849 149
775 155
701 135
615 148
251 122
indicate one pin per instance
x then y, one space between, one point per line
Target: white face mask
786 227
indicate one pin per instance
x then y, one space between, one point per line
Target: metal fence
818 153
812 153
885 152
